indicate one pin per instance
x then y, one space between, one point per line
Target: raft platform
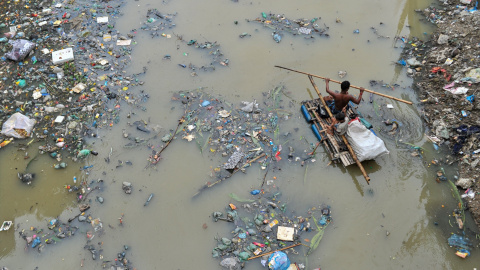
333 144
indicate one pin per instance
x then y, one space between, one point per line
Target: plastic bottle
75 179
255 192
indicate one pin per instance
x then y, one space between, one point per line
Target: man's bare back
341 99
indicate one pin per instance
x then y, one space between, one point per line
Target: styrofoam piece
62 56
124 42
102 19
59 119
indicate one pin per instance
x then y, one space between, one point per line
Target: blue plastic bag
36 242
278 261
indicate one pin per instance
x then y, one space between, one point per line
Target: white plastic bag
18 126
365 144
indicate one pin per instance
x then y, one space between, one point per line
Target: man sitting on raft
337 102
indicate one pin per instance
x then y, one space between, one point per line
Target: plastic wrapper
229 263
21 48
18 126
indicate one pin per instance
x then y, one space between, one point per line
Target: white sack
365 144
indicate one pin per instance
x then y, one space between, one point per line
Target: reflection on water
402 198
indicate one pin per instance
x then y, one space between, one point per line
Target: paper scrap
124 42
79 88
102 19
59 119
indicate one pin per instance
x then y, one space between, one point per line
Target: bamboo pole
352 86
359 164
268 253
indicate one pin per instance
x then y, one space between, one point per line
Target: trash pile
263 229
308 28
156 24
446 75
461 244
240 134
63 73
39 238
63 81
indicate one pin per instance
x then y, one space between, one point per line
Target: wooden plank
324 127
344 160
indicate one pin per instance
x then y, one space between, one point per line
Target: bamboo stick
268 253
352 86
359 164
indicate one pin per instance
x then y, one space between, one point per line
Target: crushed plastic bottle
255 192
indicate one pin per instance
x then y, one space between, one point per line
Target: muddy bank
446 75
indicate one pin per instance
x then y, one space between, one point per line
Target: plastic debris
18 126
234 160
278 261
6 225
21 48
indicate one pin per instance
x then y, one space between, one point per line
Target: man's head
345 86
340 117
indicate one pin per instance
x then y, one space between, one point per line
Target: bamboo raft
333 143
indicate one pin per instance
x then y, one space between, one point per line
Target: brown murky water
403 197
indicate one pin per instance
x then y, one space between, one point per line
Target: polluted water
166 138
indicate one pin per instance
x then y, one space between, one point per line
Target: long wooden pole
352 86
359 164
268 253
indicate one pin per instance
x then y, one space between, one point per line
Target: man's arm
331 127
330 92
359 98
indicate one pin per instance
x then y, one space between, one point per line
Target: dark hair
345 85
340 116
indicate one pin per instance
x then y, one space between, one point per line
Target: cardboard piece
285 233
79 88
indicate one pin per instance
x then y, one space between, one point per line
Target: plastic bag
322 112
18 126
278 261
83 153
366 145
21 48
230 263
250 106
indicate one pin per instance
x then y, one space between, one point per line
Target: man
339 124
337 102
